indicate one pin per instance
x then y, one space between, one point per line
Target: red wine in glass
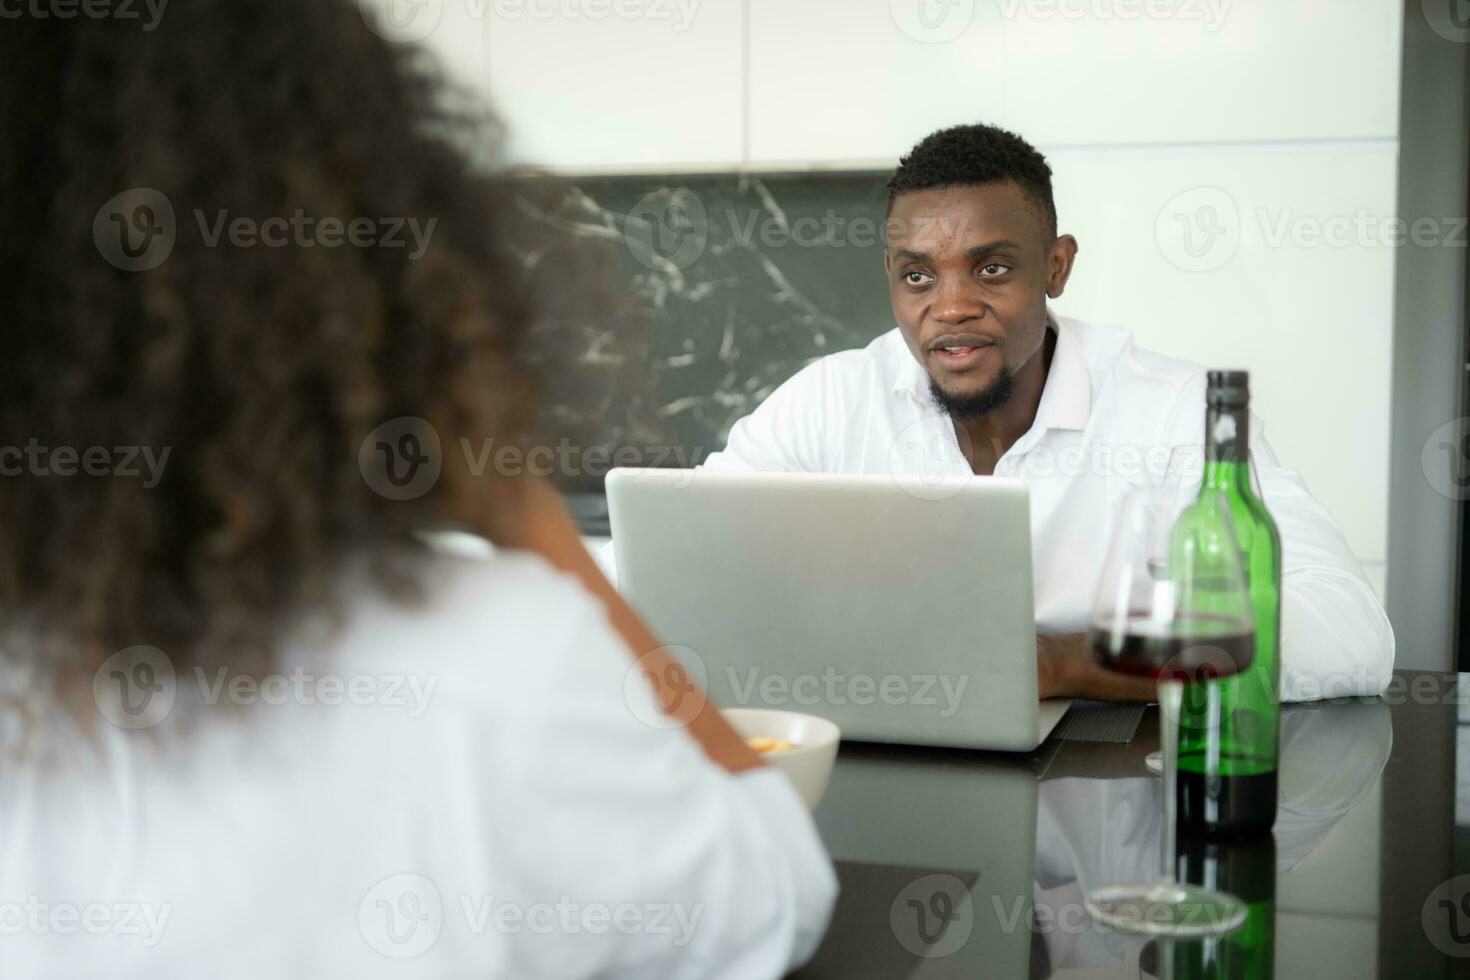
1191 648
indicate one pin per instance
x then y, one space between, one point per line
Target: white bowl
808 763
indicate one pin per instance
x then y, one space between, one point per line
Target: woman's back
470 786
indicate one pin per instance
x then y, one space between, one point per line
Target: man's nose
955 304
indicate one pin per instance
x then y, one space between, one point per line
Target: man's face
969 271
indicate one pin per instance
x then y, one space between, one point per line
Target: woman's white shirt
474 785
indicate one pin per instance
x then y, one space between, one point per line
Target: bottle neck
1227 448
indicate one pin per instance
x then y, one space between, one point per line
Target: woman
253 727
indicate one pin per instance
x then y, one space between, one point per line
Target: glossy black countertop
975 864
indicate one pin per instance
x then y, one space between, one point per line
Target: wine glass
1179 484
1173 604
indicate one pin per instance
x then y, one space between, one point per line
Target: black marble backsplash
735 282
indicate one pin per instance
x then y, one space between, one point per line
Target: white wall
1265 131
1312 321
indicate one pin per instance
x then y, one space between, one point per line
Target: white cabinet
604 85
659 85
862 80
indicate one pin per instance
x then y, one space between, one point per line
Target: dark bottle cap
1228 389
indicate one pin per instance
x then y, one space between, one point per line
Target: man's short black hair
963 156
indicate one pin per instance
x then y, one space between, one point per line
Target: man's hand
1064 670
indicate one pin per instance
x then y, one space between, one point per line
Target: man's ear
1059 267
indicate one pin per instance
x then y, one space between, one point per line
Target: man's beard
976 404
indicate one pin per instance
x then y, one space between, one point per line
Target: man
979 377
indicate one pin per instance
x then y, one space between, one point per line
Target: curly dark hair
259 369
976 154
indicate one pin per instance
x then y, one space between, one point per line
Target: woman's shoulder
502 585
501 616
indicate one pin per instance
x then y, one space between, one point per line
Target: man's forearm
1065 670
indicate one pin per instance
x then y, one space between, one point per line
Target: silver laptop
898 607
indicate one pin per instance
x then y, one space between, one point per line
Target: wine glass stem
1171 697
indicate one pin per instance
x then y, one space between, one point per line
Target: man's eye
915 278
993 269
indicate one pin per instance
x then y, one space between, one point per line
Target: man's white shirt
1111 417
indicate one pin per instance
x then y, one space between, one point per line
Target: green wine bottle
1246 869
1229 729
